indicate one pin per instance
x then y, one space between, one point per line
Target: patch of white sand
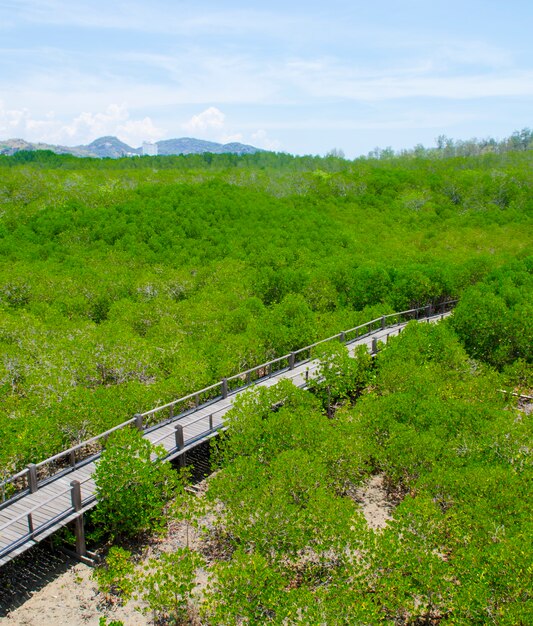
374 502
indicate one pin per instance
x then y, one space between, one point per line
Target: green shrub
132 486
166 583
116 575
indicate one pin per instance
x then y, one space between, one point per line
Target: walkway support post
79 530
180 443
30 525
383 323
32 477
224 384
374 345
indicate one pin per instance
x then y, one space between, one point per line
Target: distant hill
10 146
188 145
112 147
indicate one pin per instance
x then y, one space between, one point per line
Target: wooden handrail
174 402
14 477
87 442
39 506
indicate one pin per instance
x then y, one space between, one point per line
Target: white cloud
260 139
84 128
135 132
212 119
211 124
96 124
13 122
115 120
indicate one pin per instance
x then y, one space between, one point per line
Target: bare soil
375 503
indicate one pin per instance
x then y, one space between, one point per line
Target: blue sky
300 77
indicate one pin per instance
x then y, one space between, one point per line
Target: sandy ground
53 590
375 505
73 599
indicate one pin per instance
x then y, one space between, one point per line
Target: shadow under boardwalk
29 573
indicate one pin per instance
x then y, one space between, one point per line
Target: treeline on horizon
127 283
518 141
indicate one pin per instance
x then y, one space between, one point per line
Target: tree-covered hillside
130 282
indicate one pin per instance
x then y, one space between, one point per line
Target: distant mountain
188 145
112 147
10 146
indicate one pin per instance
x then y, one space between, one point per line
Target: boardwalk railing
26 527
36 475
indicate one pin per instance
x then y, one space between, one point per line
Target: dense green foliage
451 449
494 318
132 485
131 282
339 376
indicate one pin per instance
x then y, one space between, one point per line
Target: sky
291 76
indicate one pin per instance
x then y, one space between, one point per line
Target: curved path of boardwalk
47 496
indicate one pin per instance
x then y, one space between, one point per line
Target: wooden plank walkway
31 517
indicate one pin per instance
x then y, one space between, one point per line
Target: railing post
32 477
224 385
180 441
383 323
30 525
210 422
291 360
374 345
342 337
75 495
138 421
73 458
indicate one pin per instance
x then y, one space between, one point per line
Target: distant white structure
149 149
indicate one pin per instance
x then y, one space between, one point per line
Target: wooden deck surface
51 505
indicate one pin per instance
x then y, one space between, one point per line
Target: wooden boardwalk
42 505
